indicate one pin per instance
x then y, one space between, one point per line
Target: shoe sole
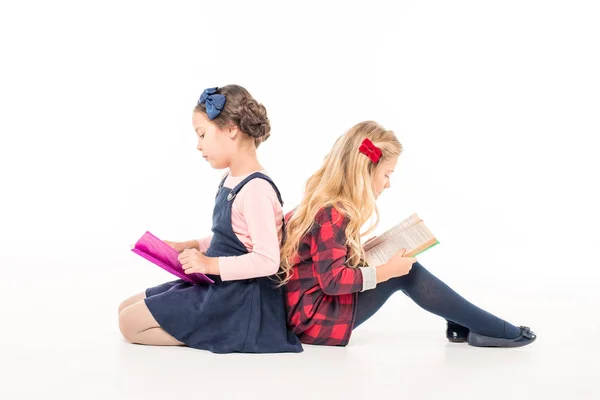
486 341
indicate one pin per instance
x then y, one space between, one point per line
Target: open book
158 252
410 234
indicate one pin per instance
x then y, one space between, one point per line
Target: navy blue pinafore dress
228 316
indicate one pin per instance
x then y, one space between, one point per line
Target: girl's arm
202 244
328 250
199 244
261 209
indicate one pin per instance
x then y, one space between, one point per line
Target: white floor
60 342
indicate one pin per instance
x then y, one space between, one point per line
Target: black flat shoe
526 337
456 333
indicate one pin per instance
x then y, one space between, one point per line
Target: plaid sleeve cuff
369 278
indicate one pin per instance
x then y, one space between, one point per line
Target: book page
412 220
413 238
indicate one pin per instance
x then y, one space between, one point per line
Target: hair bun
254 120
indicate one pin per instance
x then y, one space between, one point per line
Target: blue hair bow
214 102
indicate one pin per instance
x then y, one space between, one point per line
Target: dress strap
223 180
260 175
222 183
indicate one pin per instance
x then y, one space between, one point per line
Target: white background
496 104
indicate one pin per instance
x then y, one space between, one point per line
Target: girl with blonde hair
329 289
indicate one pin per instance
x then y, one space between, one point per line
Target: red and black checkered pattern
321 294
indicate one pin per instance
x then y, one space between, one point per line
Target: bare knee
127 325
134 320
123 306
131 300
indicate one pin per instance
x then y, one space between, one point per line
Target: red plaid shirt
320 297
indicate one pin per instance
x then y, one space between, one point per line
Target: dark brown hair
243 111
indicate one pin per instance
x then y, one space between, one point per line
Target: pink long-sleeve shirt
257 220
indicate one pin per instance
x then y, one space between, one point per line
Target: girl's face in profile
381 176
213 142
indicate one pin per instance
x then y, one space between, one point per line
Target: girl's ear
232 131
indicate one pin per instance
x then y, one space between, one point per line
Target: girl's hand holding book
398 265
181 246
193 262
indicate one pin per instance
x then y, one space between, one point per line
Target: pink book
158 252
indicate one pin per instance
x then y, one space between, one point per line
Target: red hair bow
373 152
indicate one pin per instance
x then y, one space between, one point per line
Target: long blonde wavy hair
344 181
